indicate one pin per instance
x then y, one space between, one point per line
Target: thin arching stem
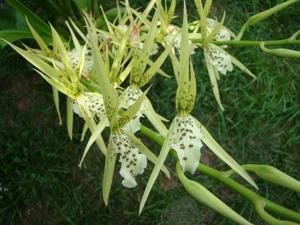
242 43
260 203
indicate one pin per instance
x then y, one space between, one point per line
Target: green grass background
260 124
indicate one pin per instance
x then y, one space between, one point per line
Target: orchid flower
186 135
133 154
216 58
140 76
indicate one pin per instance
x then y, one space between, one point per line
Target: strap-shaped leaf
34 19
222 154
13 35
204 196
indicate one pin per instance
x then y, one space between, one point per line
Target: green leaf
34 19
70 117
204 196
222 154
14 35
7 19
83 5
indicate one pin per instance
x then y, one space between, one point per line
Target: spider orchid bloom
173 36
186 135
132 162
216 58
132 153
140 76
126 22
66 79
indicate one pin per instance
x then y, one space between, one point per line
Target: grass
260 124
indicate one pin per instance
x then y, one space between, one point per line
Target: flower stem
243 43
260 203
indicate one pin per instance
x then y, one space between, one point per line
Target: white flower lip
93 102
186 141
220 60
132 162
130 96
222 35
75 54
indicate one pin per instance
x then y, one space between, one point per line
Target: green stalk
260 203
238 43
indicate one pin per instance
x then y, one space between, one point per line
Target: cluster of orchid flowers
93 68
